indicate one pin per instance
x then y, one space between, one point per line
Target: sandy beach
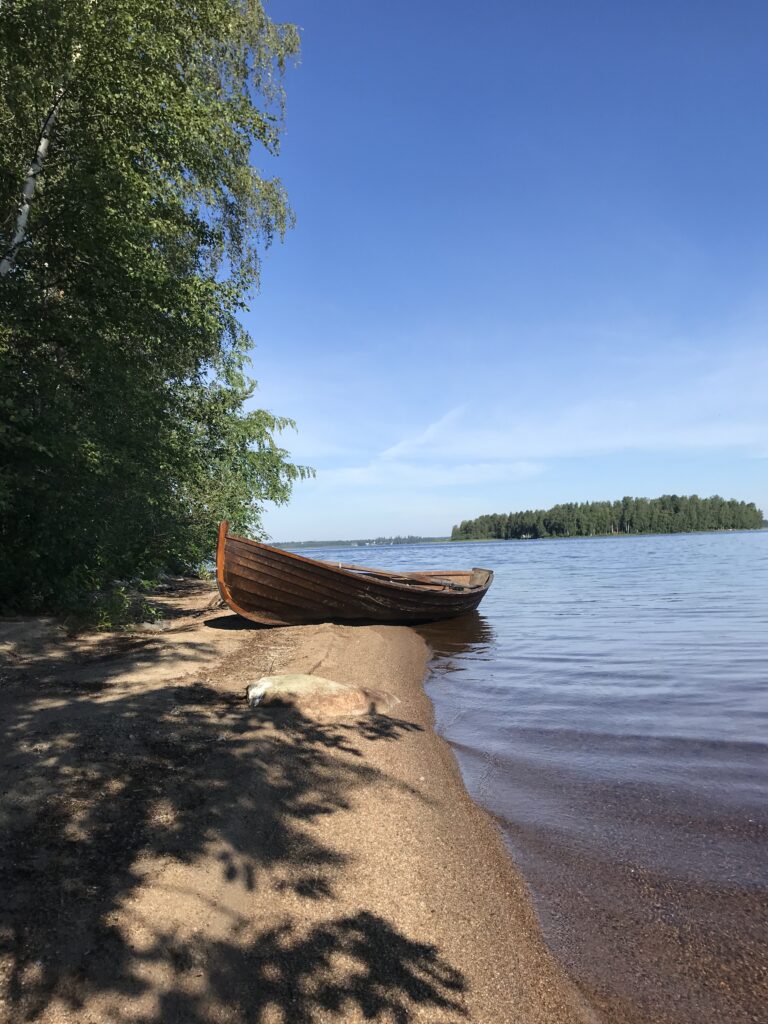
169 854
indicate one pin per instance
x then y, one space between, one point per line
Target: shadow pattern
97 778
385 975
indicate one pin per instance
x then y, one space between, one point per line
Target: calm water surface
609 706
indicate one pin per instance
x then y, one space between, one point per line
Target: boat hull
278 588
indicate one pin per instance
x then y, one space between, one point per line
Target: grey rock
317 697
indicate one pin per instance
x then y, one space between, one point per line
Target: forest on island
670 513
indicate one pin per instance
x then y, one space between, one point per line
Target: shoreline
179 856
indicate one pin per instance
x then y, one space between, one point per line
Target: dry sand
168 854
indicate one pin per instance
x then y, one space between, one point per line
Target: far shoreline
516 540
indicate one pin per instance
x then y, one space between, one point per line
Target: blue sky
530 259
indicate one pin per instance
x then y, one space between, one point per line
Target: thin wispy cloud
722 410
430 435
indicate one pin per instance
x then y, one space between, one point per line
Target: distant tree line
372 542
671 513
410 539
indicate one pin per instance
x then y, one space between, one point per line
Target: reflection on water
469 634
609 705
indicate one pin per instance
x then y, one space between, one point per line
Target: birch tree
133 219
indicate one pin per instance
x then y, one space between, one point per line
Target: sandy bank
168 854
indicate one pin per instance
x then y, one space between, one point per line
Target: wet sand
169 854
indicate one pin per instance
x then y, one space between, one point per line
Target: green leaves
123 433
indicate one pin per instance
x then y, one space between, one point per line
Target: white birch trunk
30 184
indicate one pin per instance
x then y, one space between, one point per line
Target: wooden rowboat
278 588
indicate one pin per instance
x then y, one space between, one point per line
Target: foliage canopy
124 435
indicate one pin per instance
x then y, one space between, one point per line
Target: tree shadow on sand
384 974
99 778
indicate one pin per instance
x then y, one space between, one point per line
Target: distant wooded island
671 513
370 543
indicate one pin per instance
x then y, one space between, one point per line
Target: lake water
609 706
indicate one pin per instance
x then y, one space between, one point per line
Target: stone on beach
317 697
